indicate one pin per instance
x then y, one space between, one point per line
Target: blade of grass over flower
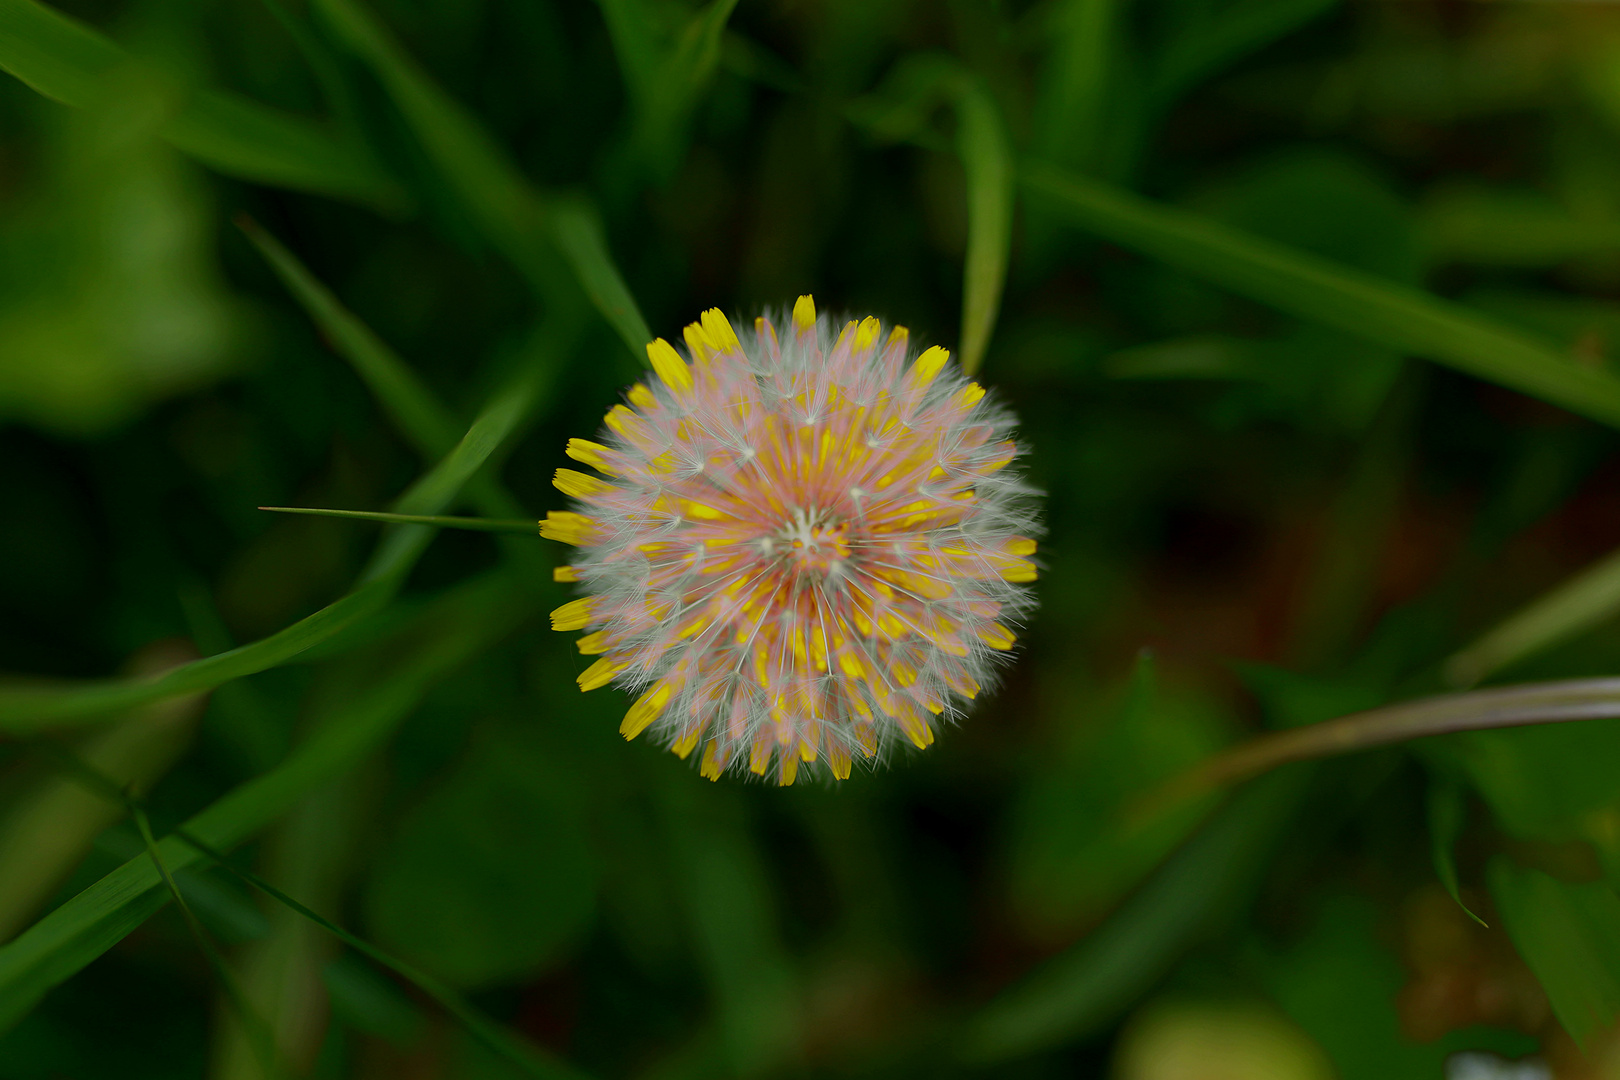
1584 601
1476 710
986 153
475 524
24 710
506 207
449 631
1205 883
65 60
1319 289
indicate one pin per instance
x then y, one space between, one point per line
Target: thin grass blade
446 634
1321 290
474 524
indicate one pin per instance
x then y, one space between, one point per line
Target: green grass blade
509 211
521 525
987 159
448 632
24 710
430 427
1321 290
65 60
1584 601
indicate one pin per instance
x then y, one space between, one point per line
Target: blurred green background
1308 310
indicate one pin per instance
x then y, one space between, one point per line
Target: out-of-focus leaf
489 877
111 295
509 211
65 60
986 152
1570 937
1448 812
397 552
1200 887
1402 318
1540 781
443 636
1070 855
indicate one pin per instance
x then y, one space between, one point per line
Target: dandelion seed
810 547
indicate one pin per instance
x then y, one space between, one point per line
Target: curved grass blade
65 60
1321 290
1581 603
510 211
986 152
23 710
1476 710
1447 813
474 524
447 633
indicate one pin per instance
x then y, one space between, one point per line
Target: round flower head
811 546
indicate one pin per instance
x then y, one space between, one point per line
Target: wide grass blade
23 710
507 208
1321 290
986 153
458 626
65 60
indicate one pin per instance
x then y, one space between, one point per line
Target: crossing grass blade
507 208
1323 291
66 60
986 153
449 631
24 710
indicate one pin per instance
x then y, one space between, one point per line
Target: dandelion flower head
808 547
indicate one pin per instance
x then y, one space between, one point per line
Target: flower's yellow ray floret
599 674
564 573
574 615
998 637
641 397
592 644
719 332
579 485
645 710
928 365
669 366
568 527
866 334
593 454
1020 545
804 313
711 761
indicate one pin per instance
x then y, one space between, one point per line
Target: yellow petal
564 573
599 674
591 453
574 615
718 329
645 710
928 365
804 313
580 485
669 366
640 396
593 644
568 527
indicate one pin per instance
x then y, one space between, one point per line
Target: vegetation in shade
1308 312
